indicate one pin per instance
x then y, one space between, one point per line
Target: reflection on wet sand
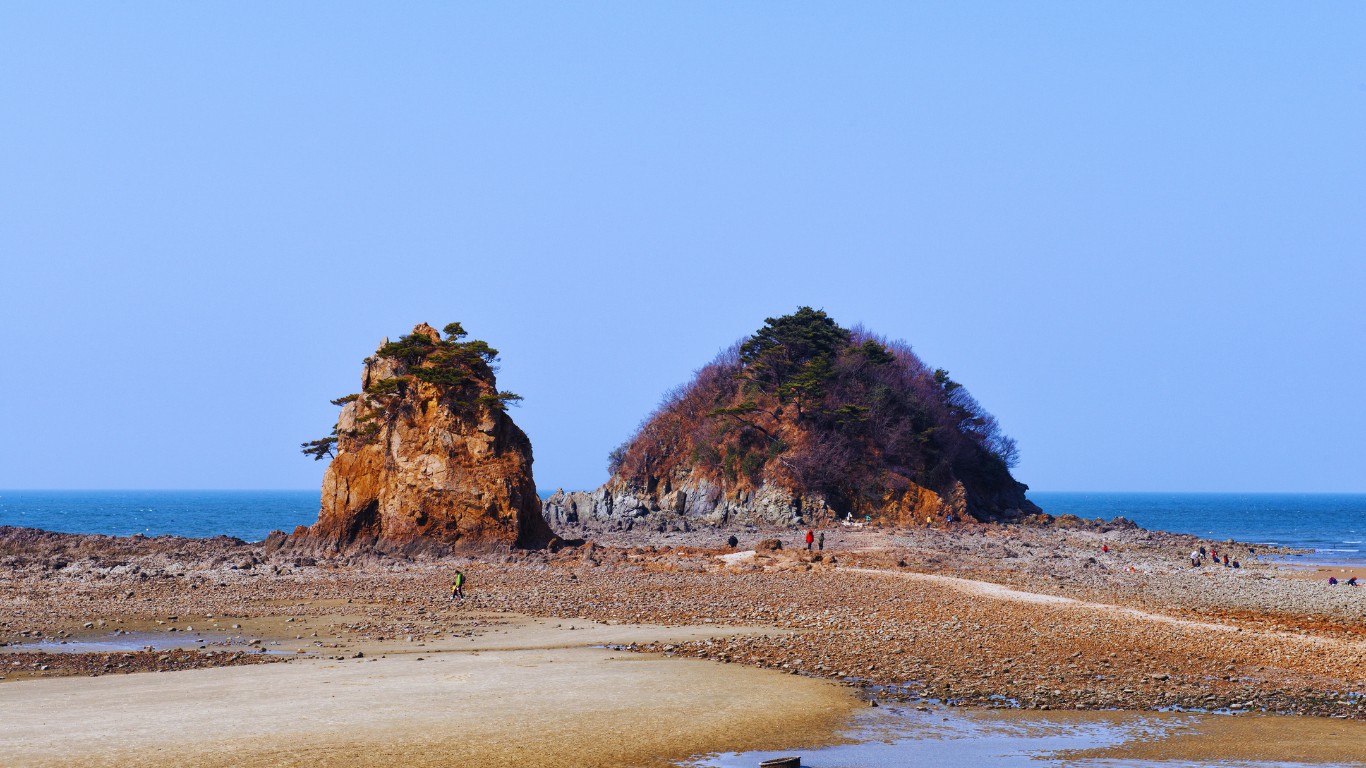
947 738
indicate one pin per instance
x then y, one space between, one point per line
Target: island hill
804 423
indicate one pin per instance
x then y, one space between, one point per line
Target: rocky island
804 423
426 454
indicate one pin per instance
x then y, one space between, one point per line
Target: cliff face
688 503
694 501
803 423
426 452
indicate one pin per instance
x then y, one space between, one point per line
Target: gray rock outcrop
700 503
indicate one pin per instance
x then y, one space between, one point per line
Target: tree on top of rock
792 357
462 370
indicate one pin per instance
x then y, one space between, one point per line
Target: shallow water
127 642
901 736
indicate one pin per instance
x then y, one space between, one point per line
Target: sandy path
530 692
1119 612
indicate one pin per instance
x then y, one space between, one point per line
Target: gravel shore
976 615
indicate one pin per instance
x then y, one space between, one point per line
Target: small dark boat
782 762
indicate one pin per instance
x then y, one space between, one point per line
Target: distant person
821 540
1225 559
1105 548
1352 582
1332 581
810 539
1195 559
1202 550
732 542
1237 564
458 586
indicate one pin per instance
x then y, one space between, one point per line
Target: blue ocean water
1331 524
1334 525
247 515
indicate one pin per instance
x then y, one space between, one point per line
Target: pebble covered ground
1149 632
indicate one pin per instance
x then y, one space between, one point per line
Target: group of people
1198 558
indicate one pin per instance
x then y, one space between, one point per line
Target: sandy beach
1322 573
620 653
517 688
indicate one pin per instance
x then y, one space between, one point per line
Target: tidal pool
127 642
950 738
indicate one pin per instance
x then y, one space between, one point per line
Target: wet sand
1245 738
948 738
526 693
1321 573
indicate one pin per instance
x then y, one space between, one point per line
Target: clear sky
1136 231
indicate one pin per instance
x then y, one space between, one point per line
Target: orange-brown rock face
427 452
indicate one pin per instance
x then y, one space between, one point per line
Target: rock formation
804 423
426 453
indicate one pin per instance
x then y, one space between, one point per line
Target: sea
1331 526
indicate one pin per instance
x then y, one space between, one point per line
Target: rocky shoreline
981 615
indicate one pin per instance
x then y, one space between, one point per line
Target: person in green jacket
458 586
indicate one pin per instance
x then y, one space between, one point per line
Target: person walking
458 586
821 542
810 537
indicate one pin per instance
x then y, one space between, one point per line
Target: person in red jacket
810 537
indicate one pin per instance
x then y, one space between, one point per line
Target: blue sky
1136 232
